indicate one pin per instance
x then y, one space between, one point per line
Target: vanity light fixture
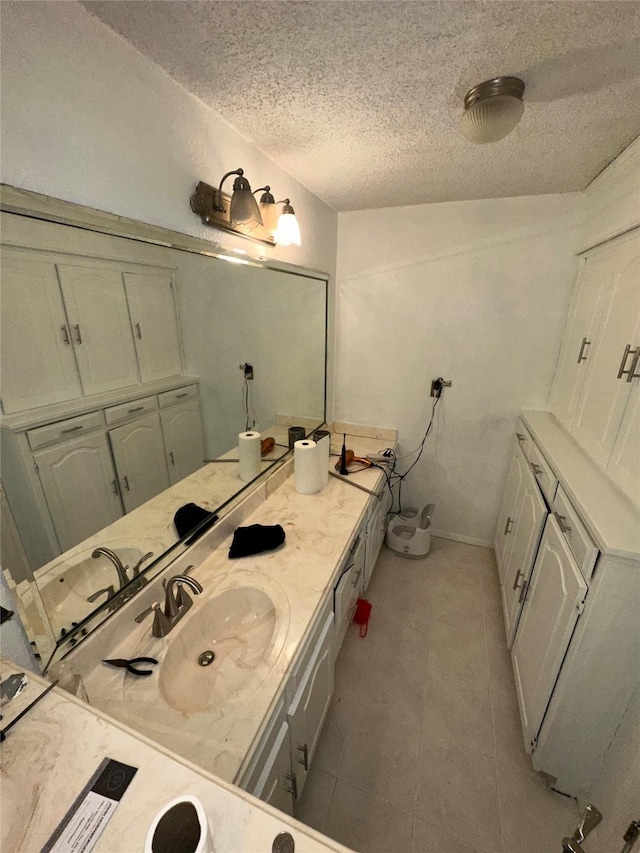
284 227
492 109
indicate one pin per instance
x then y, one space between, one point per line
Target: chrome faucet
117 563
175 605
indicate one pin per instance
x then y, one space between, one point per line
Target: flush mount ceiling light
241 213
492 109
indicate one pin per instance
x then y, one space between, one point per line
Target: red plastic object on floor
362 614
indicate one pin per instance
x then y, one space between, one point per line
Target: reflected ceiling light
492 109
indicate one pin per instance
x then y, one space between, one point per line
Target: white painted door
606 390
592 292
37 364
100 329
155 324
508 508
624 463
138 451
527 529
80 487
552 607
275 783
309 707
184 446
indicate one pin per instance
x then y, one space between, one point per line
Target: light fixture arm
267 197
240 173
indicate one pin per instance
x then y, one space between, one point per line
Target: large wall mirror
127 357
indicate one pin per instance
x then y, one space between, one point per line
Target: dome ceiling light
492 109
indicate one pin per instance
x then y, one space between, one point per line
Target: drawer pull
65 335
294 784
561 519
305 756
520 436
508 525
537 470
519 575
138 331
136 409
72 429
184 394
630 373
581 357
78 335
126 483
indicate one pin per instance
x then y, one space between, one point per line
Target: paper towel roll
306 462
249 455
322 438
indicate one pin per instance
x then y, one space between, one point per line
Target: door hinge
534 743
35 468
580 607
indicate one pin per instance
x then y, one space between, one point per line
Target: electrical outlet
248 370
438 384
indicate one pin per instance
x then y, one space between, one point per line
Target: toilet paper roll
322 438
249 444
181 824
306 463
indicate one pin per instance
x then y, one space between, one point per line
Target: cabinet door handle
357 578
171 459
519 575
508 525
561 519
519 436
138 331
65 335
523 591
136 409
630 372
294 784
581 357
72 429
125 480
305 756
115 486
185 394
535 468
78 335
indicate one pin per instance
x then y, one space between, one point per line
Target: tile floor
422 749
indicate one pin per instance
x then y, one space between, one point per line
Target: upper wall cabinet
38 366
153 315
79 329
595 389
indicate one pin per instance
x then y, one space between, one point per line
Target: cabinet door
530 517
274 784
138 451
80 487
507 515
624 463
182 431
309 707
96 306
373 542
155 324
605 395
553 604
592 292
38 365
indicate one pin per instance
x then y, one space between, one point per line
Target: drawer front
168 398
582 545
547 480
125 411
62 430
524 439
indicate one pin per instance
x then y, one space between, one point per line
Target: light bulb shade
269 211
288 230
492 110
243 209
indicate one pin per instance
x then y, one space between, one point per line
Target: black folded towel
190 516
255 539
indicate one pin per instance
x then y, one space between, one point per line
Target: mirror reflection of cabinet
155 326
138 452
182 431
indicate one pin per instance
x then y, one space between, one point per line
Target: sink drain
206 658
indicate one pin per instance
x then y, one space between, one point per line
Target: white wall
476 292
87 119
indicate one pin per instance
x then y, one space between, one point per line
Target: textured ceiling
360 101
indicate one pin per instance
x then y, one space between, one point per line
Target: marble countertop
319 533
50 755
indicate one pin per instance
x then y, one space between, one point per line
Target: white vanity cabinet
268 775
347 590
374 537
138 451
595 392
79 512
182 431
155 324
